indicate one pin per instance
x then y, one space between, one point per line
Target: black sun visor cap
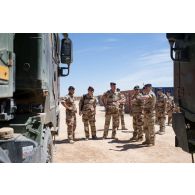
148 85
112 83
90 88
71 88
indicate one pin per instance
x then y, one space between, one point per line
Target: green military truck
30 67
182 52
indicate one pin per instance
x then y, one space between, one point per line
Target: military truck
182 52
30 67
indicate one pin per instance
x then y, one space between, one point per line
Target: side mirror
61 71
66 51
179 50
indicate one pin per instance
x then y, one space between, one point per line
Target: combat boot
160 132
94 137
151 144
146 142
133 139
105 135
140 139
71 141
114 135
124 128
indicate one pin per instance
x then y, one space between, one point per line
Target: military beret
136 87
90 88
159 89
71 88
111 83
148 85
117 89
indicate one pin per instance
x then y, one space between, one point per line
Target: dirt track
120 151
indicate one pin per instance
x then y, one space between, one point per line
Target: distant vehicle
29 94
182 52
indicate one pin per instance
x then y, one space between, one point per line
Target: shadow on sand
126 131
129 146
65 141
103 130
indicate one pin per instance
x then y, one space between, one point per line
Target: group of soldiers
146 109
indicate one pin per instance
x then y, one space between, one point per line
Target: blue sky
127 59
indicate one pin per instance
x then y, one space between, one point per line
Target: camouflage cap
136 87
71 88
112 83
90 88
148 85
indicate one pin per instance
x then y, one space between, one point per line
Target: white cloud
157 57
111 40
94 49
154 67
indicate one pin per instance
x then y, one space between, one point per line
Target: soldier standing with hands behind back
149 115
161 105
137 104
170 107
111 100
69 103
122 111
87 108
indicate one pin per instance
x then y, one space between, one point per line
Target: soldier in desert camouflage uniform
69 103
149 115
111 100
170 107
122 111
87 108
161 104
137 104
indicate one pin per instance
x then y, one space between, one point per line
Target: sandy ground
110 151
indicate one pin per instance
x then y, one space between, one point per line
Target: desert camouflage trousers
169 113
138 125
121 119
71 125
148 128
114 114
89 119
161 118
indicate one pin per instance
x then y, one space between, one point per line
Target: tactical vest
137 104
112 98
170 103
160 102
89 103
70 101
149 104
